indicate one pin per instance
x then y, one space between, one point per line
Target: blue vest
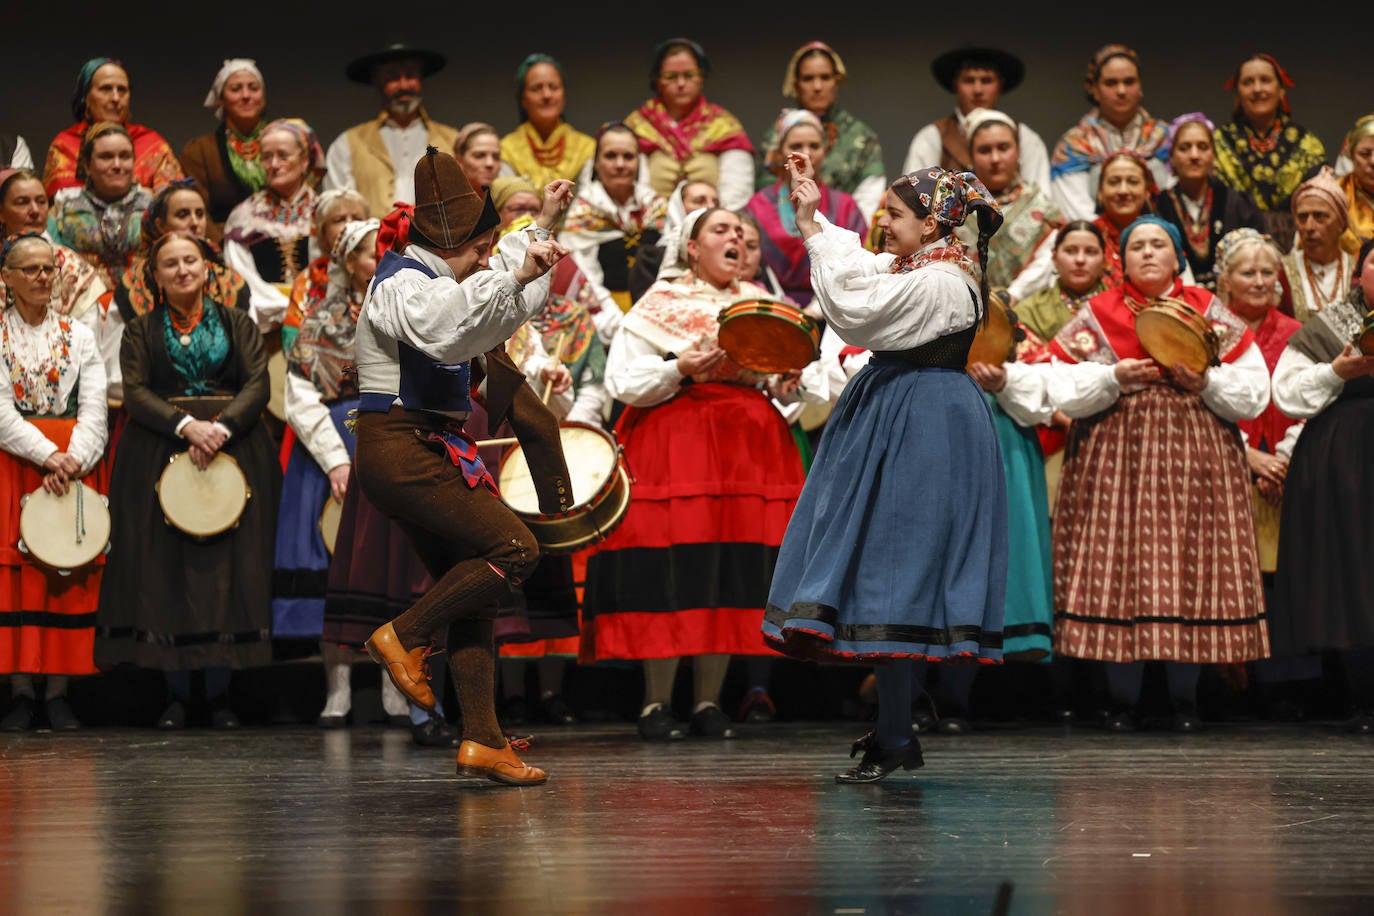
426 383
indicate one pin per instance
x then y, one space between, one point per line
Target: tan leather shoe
406 669
497 765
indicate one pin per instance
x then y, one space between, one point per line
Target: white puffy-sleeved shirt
871 307
1238 390
82 370
447 320
1304 388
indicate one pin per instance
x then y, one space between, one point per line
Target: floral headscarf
1232 242
952 196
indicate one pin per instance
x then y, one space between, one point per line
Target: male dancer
434 323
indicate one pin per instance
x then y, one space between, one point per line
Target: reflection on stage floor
1254 820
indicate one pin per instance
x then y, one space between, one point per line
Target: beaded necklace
1074 303
1197 230
547 156
1267 143
1319 295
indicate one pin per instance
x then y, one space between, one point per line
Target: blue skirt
301 563
898 545
1028 626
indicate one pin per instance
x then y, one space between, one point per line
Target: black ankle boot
877 763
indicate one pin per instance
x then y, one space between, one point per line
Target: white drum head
329 522
592 460
202 503
57 534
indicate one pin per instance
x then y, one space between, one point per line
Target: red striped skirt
716 476
47 621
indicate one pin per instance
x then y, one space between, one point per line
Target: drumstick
558 360
483 443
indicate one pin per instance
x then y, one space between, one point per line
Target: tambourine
768 336
65 532
205 503
1366 339
330 516
1174 333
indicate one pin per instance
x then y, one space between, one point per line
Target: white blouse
1237 390
1304 388
84 368
873 308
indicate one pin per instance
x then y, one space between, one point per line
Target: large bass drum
600 489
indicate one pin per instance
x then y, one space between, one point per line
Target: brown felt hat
448 211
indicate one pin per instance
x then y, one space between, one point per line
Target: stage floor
1252 819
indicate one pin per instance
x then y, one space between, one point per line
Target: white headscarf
675 259
231 66
980 116
353 232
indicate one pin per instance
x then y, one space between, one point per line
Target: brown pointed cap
448 212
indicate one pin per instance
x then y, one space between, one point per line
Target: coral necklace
184 326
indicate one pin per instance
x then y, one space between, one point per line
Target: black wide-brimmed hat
948 65
360 70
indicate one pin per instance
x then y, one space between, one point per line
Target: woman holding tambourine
1154 545
193 492
716 473
52 445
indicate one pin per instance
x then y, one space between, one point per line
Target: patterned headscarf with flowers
951 197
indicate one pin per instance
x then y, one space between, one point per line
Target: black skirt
175 603
1324 584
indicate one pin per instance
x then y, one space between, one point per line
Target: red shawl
707 128
1103 331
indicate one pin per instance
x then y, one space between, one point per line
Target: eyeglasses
672 76
33 271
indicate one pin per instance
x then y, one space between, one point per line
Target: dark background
172 52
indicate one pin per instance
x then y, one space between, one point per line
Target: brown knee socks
472 662
471 585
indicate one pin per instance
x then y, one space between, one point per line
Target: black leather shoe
332 721
60 715
877 763
20 715
173 717
1119 722
953 726
658 725
712 722
435 732
223 717
399 720
1186 722
558 712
